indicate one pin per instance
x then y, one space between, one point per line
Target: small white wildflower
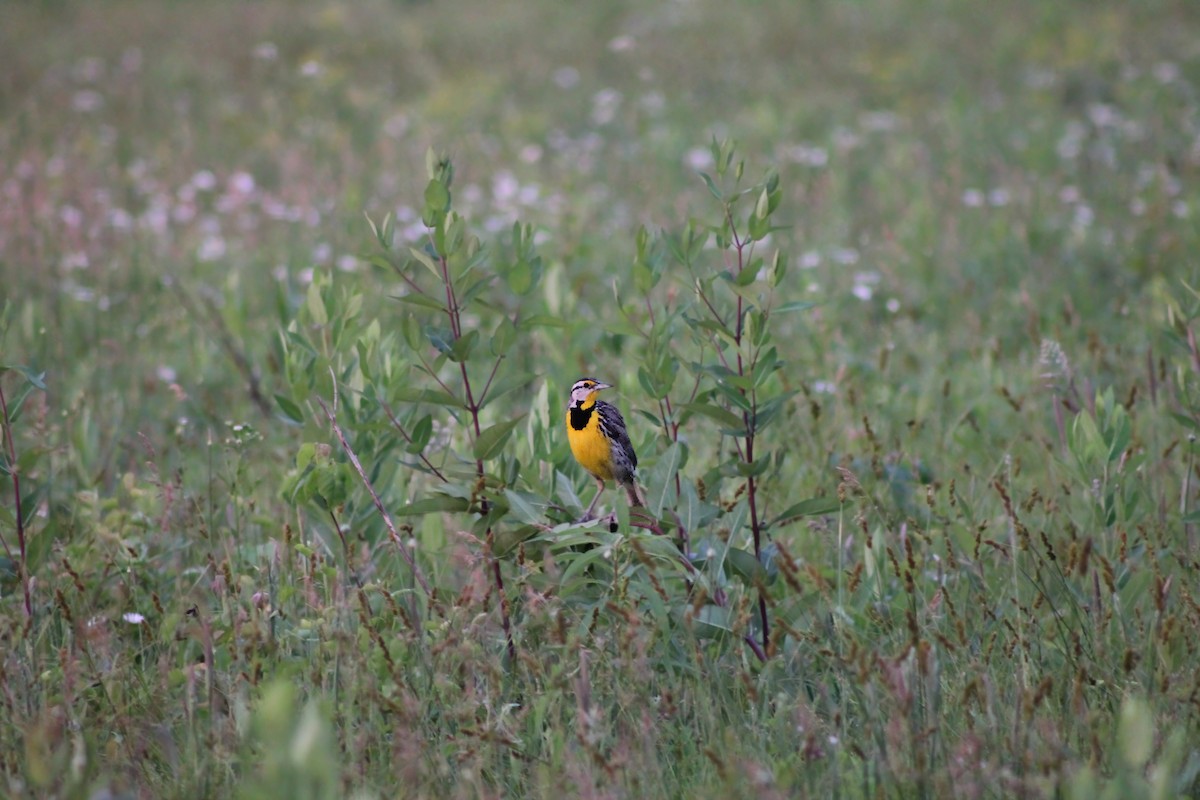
652 102
972 198
505 186
845 255
241 182
879 121
311 68
71 216
621 44
530 153
133 618
528 194
88 70
807 155
75 260
87 101
845 139
266 51
183 213
211 248
203 181
1166 72
1103 115
605 104
698 158
811 259
893 305
565 77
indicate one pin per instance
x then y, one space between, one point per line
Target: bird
600 441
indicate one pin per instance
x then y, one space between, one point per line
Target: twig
225 339
388 410
387 518
23 563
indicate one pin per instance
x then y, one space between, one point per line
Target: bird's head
583 393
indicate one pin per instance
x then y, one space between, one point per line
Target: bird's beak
600 386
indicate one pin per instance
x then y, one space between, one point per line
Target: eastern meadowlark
600 442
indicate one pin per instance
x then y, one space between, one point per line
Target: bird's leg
587 515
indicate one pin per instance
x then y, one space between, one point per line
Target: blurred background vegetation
991 208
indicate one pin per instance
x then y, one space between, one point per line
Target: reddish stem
23 563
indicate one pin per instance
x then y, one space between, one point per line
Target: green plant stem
452 311
22 563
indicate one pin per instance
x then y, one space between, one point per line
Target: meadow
899 299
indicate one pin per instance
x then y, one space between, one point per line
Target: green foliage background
911 371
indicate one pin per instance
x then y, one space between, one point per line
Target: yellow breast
590 448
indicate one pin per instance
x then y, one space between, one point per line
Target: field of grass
897 298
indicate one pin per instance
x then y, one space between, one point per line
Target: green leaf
503 337
463 346
1119 436
316 304
422 432
491 441
442 340
734 425
408 394
437 201
291 411
1135 732
762 209
767 363
525 506
745 566
1187 422
808 508
542 321
36 378
664 471
421 300
712 186
433 505
564 490
426 258
748 273
712 622
796 305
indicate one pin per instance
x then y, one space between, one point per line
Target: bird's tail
634 492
